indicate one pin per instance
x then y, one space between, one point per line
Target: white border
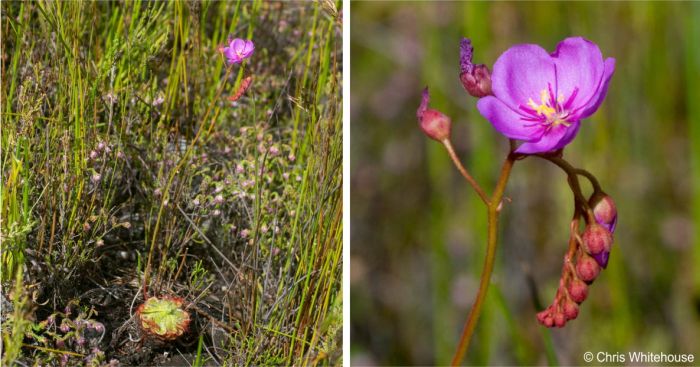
346 182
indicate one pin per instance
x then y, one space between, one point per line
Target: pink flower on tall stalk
540 98
238 50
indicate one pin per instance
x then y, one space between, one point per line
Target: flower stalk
539 99
493 208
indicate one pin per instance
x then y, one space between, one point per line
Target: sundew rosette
163 317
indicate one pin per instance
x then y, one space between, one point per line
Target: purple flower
238 50
540 98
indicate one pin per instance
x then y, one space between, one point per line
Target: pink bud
604 210
548 321
597 239
578 290
587 268
570 310
476 79
434 124
559 320
477 84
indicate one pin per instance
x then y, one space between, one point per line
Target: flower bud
602 258
476 79
559 320
434 124
604 210
548 321
478 83
587 268
596 239
570 310
578 290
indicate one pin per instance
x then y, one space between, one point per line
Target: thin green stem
464 172
494 208
166 191
592 179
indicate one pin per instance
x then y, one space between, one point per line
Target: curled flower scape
245 84
238 50
541 98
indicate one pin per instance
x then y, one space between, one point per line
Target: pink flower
540 98
238 50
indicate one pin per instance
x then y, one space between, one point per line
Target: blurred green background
418 231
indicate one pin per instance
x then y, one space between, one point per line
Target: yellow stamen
550 113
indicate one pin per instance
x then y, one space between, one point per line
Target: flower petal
507 121
238 45
579 65
549 141
571 132
602 91
522 73
230 53
248 48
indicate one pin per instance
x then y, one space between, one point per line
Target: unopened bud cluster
591 255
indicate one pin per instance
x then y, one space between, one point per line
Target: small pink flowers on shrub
238 50
541 98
